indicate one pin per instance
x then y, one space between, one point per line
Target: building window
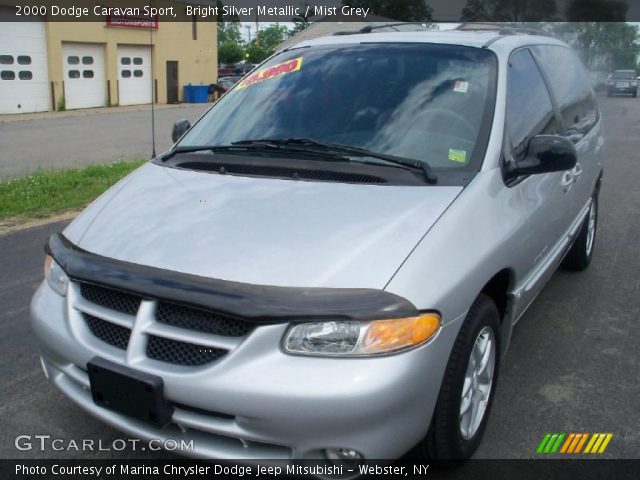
194 27
125 61
73 60
87 60
74 73
137 73
25 75
24 60
6 60
126 73
137 61
7 75
87 73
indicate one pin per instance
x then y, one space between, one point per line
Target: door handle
577 171
567 181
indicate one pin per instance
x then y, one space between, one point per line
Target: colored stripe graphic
572 443
598 443
551 443
581 443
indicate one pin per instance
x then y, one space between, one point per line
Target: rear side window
570 87
529 108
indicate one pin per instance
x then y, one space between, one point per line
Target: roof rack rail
521 31
370 28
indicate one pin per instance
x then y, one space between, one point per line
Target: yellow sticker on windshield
274 71
457 155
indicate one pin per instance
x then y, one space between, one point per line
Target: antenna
153 111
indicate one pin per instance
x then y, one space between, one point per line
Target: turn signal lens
56 276
390 335
352 339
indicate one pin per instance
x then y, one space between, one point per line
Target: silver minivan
330 262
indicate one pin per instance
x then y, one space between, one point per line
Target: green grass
48 193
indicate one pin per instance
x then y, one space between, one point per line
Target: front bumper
258 402
613 89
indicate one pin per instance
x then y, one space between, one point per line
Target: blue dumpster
186 96
199 93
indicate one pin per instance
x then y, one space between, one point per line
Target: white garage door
83 71
24 84
134 75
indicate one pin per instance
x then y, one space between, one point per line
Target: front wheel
467 389
579 257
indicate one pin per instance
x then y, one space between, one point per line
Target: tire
635 93
445 439
579 256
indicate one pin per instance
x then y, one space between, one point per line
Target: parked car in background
623 81
227 82
598 80
330 262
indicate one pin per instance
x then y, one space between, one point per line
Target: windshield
428 102
624 75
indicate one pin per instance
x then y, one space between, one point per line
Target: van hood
260 230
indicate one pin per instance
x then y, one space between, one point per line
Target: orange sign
274 71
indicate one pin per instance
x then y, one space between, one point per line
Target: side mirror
547 153
179 129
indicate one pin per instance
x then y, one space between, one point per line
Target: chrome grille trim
144 327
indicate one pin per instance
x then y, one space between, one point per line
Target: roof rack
521 31
370 28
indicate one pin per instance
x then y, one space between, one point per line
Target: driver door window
529 108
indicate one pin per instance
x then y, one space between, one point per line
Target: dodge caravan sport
329 263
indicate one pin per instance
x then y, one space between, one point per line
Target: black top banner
147 13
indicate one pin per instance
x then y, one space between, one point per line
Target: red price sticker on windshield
274 71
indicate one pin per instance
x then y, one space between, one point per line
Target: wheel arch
497 288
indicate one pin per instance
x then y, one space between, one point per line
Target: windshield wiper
253 146
189 149
308 144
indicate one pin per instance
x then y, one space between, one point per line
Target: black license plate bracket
128 391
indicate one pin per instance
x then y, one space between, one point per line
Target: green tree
228 27
474 8
229 32
597 11
400 10
599 33
602 45
513 11
301 21
272 36
230 52
256 54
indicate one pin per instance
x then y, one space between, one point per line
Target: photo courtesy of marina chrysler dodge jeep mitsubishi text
329 263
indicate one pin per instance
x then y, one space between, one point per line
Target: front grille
207 322
111 299
181 353
108 332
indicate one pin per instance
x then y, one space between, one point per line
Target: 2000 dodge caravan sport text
329 263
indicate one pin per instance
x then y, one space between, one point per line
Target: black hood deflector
254 303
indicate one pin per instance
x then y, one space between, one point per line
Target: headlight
633 83
57 279
355 338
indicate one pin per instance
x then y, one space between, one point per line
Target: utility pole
257 30
248 27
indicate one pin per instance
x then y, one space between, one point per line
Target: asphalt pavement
573 364
78 138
